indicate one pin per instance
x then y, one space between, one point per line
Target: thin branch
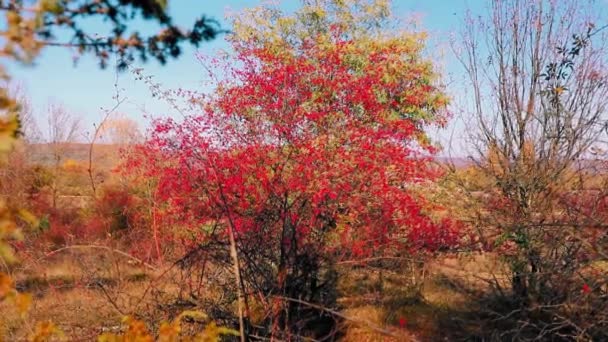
362 322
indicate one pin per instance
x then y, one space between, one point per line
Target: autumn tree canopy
306 152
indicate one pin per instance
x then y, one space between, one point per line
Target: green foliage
44 224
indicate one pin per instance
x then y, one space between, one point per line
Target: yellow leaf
191 314
28 217
23 301
6 253
9 128
168 331
6 285
45 330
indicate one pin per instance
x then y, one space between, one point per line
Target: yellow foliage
6 285
9 127
8 231
9 131
72 165
136 331
44 331
23 302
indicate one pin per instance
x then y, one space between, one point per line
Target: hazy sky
85 89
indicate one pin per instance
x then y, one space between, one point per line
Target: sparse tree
30 131
537 70
120 131
63 129
16 173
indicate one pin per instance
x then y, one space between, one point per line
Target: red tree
305 154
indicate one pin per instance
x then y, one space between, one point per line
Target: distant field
105 156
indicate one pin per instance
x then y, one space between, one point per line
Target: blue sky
84 89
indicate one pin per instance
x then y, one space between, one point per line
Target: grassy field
87 291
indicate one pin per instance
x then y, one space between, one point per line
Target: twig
362 322
117 251
98 128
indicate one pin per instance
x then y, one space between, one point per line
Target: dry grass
83 293
86 293
416 312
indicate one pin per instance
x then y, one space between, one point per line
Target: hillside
105 156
